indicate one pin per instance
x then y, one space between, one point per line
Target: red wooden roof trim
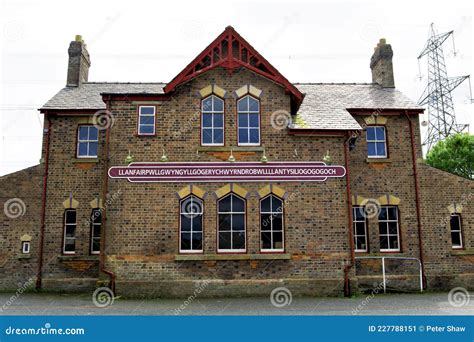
222 52
179 78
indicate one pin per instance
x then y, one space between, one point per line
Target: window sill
85 160
228 149
145 135
24 256
73 257
207 257
381 254
460 251
378 160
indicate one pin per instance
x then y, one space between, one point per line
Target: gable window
231 230
87 141
456 231
248 109
69 238
360 229
190 226
376 142
146 120
96 222
212 122
389 229
271 224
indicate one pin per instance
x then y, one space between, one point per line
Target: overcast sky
142 41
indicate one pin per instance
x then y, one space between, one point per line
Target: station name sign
227 172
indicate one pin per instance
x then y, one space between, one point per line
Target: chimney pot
79 63
381 65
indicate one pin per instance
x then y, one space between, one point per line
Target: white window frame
354 224
244 250
93 238
148 125
269 228
212 112
458 215
248 112
201 213
376 141
388 232
65 230
25 247
88 141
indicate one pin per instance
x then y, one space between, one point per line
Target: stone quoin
127 194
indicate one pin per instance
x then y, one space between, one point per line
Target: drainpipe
102 268
417 198
347 268
43 204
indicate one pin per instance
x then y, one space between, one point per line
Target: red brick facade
142 219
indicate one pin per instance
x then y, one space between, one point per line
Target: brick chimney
79 63
381 65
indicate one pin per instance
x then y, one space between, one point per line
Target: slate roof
324 106
87 96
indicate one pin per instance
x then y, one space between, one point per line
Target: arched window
231 230
96 222
248 109
212 121
271 224
190 225
69 237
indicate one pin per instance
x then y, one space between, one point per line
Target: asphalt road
389 304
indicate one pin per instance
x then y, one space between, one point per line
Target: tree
455 154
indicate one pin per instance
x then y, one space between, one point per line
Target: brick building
263 201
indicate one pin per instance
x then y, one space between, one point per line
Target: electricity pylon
437 95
